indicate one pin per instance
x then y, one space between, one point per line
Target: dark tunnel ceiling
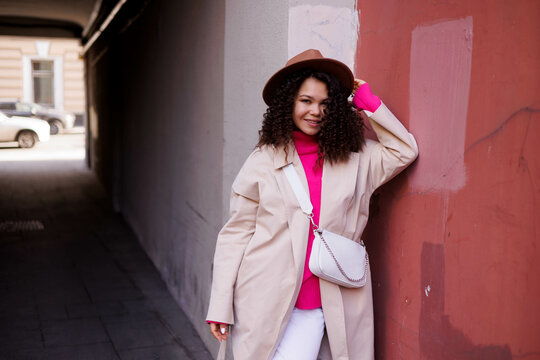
50 18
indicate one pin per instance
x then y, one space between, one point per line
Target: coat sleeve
232 241
395 150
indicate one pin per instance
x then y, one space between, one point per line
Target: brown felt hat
312 59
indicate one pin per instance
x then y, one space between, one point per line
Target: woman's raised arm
396 148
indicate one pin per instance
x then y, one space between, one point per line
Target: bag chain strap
316 229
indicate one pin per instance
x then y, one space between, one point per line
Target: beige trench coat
260 252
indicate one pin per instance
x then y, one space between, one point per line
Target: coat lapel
338 188
299 224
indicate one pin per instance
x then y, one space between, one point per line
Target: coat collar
284 157
299 225
338 189
338 181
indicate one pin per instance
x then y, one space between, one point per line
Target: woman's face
309 106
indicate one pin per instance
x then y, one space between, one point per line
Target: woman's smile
313 122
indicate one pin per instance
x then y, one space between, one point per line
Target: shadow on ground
74 282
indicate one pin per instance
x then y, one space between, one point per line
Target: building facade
46 71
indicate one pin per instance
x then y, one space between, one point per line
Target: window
43 81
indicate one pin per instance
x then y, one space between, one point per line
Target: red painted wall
454 242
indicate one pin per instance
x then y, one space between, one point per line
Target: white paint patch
427 290
440 76
332 30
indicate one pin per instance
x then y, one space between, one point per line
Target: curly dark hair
342 129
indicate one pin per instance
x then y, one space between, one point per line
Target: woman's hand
219 331
363 98
357 84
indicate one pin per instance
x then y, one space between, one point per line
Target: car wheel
26 139
56 126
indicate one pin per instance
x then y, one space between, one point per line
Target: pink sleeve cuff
214 322
365 100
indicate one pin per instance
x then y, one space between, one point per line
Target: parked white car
26 131
57 119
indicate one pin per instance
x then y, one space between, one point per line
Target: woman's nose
315 110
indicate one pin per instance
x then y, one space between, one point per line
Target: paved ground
68 146
74 283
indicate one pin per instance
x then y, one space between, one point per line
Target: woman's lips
313 122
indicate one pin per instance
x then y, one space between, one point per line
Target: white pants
302 337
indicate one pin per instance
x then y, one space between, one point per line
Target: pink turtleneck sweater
306 146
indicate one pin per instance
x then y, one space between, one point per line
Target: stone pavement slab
74 282
73 332
138 333
102 351
163 352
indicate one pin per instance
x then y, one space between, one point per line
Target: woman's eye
306 101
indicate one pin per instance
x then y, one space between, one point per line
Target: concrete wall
454 242
162 148
255 47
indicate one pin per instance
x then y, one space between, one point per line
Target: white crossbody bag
333 257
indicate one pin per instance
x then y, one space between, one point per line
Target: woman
262 288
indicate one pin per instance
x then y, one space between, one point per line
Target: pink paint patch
439 93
